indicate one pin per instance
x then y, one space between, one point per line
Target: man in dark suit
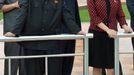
70 44
10 11
43 17
130 5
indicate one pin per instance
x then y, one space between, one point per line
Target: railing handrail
42 56
123 34
46 37
57 37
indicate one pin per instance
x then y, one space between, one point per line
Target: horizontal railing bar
46 37
127 52
56 37
42 56
121 34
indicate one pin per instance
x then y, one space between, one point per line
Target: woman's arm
121 19
111 33
120 15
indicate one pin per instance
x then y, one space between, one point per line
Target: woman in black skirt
104 15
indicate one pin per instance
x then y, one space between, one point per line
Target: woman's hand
127 29
112 33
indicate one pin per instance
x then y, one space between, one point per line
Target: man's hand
127 29
16 4
81 33
112 33
9 34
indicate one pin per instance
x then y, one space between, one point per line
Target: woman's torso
101 12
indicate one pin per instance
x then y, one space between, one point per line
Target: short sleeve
2 3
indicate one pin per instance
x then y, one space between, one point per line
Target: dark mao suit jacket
43 17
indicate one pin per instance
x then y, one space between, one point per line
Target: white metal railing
66 37
120 35
50 37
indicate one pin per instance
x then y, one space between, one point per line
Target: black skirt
101 50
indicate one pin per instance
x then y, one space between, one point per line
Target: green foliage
1 15
84 15
124 7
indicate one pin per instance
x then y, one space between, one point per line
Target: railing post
46 65
116 56
9 66
133 61
86 68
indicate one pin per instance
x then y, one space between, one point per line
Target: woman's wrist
103 27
